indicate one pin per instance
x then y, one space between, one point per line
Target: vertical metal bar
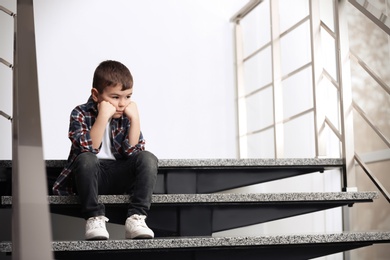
346 105
31 227
240 93
277 80
317 68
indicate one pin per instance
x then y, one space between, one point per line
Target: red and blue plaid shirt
81 120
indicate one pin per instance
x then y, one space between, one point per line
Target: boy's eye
115 97
129 97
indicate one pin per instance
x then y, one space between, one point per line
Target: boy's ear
95 94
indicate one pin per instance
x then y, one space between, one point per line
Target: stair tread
210 242
220 198
223 163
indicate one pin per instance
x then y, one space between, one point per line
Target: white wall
181 56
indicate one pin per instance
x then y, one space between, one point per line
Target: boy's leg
86 170
142 168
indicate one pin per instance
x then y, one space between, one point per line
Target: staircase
189 206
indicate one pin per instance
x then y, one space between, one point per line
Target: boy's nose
121 103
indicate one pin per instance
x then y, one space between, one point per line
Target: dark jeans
135 176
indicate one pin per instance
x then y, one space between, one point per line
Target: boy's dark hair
110 73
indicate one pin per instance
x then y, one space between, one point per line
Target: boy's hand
106 109
131 111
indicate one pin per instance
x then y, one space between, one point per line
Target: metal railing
342 130
30 209
382 21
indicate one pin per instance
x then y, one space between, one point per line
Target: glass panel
258 71
260 110
328 49
256 28
261 145
291 12
299 137
373 99
333 144
297 93
327 13
295 48
372 49
330 102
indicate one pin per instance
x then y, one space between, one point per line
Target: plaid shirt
81 120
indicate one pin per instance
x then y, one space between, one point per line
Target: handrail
364 66
5 115
6 63
372 13
10 13
5 10
376 182
245 10
365 117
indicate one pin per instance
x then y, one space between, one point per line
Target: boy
107 154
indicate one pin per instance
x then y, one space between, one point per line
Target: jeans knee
148 159
86 162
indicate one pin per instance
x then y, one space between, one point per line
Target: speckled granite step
222 163
223 198
204 214
302 246
209 175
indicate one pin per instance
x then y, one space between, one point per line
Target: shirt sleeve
79 132
129 150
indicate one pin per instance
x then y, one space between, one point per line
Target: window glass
256 28
291 12
295 48
261 145
299 141
259 110
258 71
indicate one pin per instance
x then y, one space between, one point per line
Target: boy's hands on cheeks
106 109
131 111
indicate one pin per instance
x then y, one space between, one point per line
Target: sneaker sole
138 236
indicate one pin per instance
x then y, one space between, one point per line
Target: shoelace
139 220
97 222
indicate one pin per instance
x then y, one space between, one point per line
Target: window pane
261 145
373 49
291 12
258 71
295 48
259 110
329 53
256 28
299 137
297 93
327 13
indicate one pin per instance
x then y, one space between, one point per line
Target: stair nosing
219 198
205 242
223 163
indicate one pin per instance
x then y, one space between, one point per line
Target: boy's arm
131 112
106 111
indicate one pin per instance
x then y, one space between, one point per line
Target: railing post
277 80
346 105
31 225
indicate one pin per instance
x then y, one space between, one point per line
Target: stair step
204 214
188 176
303 246
220 198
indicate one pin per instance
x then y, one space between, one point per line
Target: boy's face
115 96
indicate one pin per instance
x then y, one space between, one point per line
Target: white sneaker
95 229
136 227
